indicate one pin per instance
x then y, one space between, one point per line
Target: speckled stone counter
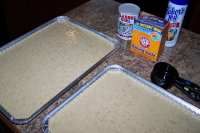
102 16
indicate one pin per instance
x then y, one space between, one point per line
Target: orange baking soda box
148 37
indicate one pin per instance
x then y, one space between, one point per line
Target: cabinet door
43 10
156 7
192 19
22 16
16 17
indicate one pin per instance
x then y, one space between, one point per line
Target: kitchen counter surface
102 16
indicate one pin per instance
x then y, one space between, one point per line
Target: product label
125 26
146 39
126 18
175 14
144 42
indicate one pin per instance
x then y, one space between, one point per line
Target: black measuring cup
165 76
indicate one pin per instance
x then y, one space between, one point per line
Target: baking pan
120 101
40 66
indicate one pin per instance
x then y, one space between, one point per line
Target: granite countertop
102 16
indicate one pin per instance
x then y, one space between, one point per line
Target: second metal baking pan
116 100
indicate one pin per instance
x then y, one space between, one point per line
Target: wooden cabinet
20 16
192 20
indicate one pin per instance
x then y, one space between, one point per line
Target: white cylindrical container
128 12
175 15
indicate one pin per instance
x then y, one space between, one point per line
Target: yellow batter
116 103
43 64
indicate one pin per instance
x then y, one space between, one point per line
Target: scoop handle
191 89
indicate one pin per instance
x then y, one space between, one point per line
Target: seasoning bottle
175 15
128 13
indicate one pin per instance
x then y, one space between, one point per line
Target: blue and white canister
175 15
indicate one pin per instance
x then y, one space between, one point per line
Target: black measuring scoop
165 76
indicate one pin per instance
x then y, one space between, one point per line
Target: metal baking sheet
37 68
117 100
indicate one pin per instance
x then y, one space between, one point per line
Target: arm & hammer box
148 37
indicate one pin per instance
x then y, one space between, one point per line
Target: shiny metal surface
13 43
183 104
